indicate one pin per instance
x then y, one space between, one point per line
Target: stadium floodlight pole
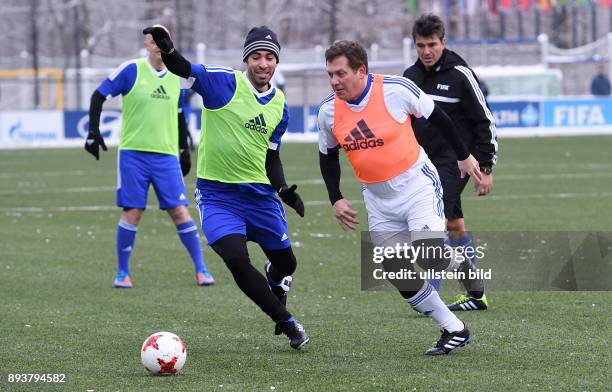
574 26
77 54
34 39
177 21
609 37
594 21
333 11
521 28
466 25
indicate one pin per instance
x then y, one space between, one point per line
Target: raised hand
161 36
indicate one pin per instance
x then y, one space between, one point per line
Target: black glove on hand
161 36
290 197
185 159
93 143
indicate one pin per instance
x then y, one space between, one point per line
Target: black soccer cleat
295 332
280 290
450 341
463 302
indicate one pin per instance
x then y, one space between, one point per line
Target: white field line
38 189
45 191
95 208
43 174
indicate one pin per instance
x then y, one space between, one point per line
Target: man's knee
179 215
132 215
283 260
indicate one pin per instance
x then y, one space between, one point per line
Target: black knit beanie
261 38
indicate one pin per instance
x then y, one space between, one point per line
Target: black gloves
290 197
185 160
93 143
161 36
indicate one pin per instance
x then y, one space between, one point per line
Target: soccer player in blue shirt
153 136
239 170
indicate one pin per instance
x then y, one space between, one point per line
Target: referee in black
447 79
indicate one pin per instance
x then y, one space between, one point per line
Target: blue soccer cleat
204 278
122 281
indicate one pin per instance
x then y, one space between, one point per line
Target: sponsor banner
296 119
312 126
577 113
528 118
31 128
517 114
77 125
301 118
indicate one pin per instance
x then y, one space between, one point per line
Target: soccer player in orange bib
368 116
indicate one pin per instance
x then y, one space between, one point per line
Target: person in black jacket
448 80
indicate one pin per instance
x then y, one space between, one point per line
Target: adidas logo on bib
257 124
160 93
361 137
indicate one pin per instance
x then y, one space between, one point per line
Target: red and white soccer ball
163 353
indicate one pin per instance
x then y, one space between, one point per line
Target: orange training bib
377 146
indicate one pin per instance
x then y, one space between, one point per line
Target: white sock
428 302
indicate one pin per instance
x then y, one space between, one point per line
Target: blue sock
126 236
464 242
188 233
290 320
436 283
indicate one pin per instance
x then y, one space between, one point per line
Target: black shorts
452 185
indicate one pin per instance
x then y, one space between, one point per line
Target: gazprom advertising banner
31 128
577 112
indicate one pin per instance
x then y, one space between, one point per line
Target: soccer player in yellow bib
368 116
153 136
240 173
